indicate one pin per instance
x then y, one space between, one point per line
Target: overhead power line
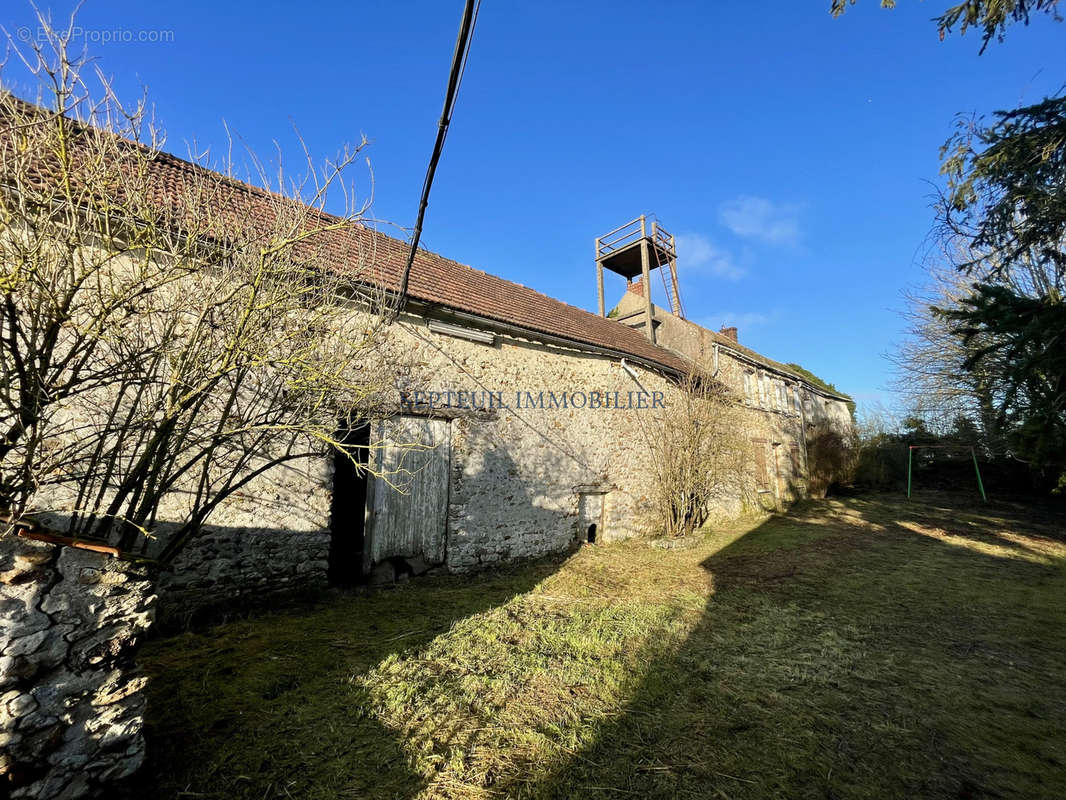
455 78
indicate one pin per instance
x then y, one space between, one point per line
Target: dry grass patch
859 648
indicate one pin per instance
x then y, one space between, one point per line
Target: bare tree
929 361
170 332
937 370
698 454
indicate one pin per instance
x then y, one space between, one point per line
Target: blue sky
794 155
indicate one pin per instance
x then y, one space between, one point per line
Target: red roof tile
381 258
438 280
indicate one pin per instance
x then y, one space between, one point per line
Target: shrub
831 457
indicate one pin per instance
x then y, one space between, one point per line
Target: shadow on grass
866 648
852 650
277 706
277 711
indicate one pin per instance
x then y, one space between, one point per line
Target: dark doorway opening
347 513
592 533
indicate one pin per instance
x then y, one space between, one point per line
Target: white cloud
758 218
697 253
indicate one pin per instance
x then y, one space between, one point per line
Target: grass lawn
855 648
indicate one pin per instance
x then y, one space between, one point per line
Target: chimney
729 332
636 287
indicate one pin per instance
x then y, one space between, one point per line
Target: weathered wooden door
409 518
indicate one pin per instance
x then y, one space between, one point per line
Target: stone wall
228 567
273 536
517 475
71 701
699 343
782 408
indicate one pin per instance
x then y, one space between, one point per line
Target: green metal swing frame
973 454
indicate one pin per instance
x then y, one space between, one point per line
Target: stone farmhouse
530 409
533 416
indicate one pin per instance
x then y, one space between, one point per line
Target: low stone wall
224 567
271 537
71 700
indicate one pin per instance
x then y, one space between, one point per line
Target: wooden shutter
762 477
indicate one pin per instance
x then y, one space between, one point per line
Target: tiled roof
379 259
438 280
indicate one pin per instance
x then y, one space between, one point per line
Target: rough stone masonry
71 700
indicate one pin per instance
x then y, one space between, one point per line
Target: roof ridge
489 296
514 283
